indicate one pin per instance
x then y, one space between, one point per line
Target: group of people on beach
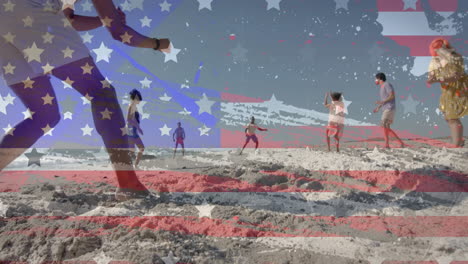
30 27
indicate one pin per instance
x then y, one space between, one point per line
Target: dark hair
381 76
336 96
134 93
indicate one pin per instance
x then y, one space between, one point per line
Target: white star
146 22
86 99
409 105
87 38
124 131
9 38
48 6
67 53
126 6
106 83
341 4
28 114
145 116
184 86
33 53
87 130
103 53
410 4
204 210
346 104
165 6
204 105
171 55
86 6
68 115
47 130
68 83
9 69
28 21
9 99
204 130
165 130
165 98
273 105
185 112
28 83
170 259
145 83
204 4
106 114
9 6
47 68
9 130
273 4
47 37
3 105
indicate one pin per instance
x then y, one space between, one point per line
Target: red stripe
235 98
302 136
398 6
401 226
418 45
176 181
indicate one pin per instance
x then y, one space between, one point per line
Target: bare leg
337 140
386 132
328 139
396 136
456 131
183 150
141 149
244 147
28 131
109 126
175 149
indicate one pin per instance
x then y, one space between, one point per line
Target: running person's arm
183 134
262 129
325 102
112 19
81 23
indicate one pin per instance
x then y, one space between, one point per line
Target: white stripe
413 24
373 250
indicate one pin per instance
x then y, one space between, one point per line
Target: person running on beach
335 119
388 105
178 137
41 39
250 133
133 121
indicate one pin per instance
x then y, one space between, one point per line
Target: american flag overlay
68 121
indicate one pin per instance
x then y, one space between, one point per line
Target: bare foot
122 194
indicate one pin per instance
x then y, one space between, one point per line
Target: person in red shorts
178 137
250 133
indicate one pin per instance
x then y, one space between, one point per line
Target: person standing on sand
40 39
335 125
178 137
447 68
388 106
250 133
133 121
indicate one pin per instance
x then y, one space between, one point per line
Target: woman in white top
335 125
39 39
